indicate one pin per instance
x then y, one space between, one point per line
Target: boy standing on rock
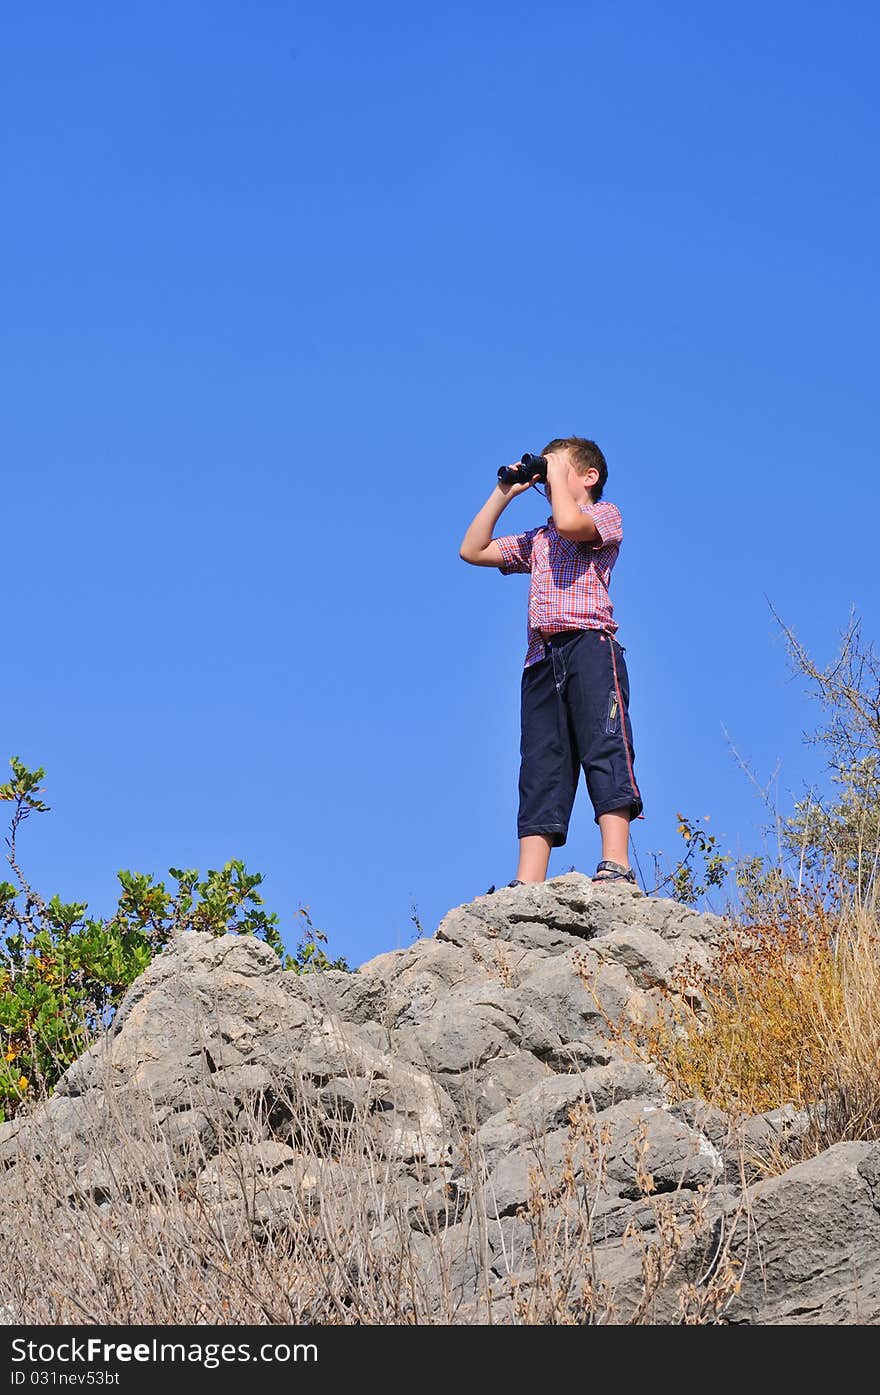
575 685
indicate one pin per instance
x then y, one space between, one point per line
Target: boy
575 685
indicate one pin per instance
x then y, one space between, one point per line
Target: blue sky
283 286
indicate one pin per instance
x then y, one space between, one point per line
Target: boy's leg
534 850
534 857
598 697
614 827
549 771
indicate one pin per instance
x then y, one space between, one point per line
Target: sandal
494 888
616 873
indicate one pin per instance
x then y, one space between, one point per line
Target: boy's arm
570 519
478 546
599 524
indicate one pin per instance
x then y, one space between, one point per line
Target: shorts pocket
612 714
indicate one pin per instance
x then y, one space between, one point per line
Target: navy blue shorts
575 713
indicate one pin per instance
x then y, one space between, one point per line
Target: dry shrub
675 1261
243 1231
317 1226
787 1014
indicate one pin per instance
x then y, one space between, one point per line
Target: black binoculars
530 467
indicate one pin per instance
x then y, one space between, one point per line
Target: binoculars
530 467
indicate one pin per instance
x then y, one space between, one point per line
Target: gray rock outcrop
479 1072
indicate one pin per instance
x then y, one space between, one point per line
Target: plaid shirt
569 586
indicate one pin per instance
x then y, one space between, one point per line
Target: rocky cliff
519 1148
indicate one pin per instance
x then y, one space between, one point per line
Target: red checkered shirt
569 586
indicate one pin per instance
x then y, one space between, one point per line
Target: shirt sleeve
516 550
607 519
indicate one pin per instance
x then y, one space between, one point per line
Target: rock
818 1231
441 1107
773 1134
675 1155
455 1038
547 1104
647 958
672 1156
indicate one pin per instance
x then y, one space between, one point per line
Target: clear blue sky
283 286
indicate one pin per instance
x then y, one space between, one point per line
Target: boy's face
579 486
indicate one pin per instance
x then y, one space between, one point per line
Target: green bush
63 974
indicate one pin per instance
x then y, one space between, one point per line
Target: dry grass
788 1014
683 1271
323 1230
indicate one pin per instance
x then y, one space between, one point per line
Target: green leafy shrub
683 882
63 973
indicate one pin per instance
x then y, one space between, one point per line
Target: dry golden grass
789 1013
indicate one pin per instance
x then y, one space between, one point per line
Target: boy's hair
585 455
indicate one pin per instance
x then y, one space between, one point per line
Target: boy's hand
509 490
